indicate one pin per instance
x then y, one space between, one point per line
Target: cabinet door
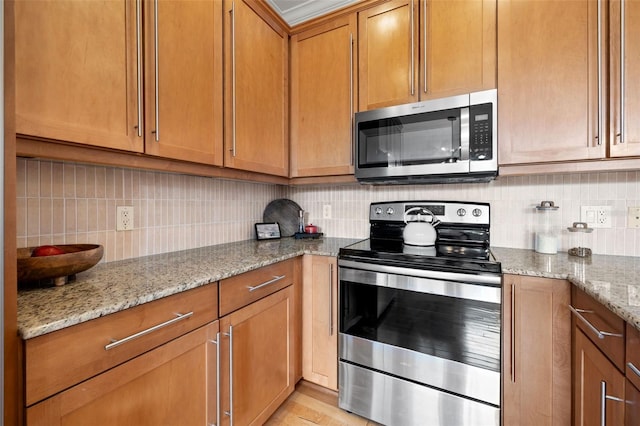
184 80
174 384
76 68
548 81
457 47
322 99
632 407
387 54
625 78
256 52
256 357
596 381
537 351
320 321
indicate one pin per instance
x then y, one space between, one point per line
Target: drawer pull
601 334
179 317
266 283
603 402
633 368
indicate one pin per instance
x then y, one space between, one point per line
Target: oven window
409 140
461 330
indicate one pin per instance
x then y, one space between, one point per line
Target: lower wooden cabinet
257 362
632 406
536 351
596 381
174 384
320 320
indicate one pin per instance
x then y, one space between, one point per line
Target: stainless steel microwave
436 141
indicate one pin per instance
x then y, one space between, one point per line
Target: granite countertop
112 287
115 286
612 280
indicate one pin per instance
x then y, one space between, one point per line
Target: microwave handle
464 134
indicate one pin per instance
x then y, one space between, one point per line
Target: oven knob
477 212
390 211
378 210
461 212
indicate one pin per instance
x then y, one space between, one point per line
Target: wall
67 203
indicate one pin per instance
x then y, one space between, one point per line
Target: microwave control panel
481 132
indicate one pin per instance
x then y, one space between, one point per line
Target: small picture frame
267 231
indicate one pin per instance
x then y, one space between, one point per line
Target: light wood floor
313 405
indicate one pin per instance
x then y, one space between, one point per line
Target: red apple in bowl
46 251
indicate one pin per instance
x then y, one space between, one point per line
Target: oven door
429 335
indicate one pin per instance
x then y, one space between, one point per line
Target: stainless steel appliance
444 140
420 326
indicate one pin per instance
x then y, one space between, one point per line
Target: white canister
546 240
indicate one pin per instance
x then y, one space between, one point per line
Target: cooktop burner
462 242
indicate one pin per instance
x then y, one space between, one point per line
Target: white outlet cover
596 216
633 217
124 218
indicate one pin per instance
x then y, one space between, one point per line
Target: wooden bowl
76 258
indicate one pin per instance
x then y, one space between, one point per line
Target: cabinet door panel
76 72
322 99
457 47
173 384
592 368
537 351
626 101
632 407
548 81
188 125
259 343
387 48
256 85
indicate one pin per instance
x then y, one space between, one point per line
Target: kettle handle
434 220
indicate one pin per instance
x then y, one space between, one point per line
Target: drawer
593 318
63 358
633 355
240 290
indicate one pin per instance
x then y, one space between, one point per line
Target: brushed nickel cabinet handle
139 64
230 412
633 368
600 135
217 343
424 28
156 131
513 333
276 278
232 13
603 402
601 334
330 299
179 317
411 18
622 72
351 89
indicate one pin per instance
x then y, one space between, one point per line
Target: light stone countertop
115 286
612 280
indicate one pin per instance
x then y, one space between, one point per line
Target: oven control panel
453 212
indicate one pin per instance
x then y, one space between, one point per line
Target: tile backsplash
62 203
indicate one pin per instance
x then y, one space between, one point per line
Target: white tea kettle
419 232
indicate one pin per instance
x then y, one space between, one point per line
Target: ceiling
297 11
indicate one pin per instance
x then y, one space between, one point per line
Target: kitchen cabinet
412 50
536 351
256 93
258 347
118 367
558 107
598 362
172 384
632 372
323 95
122 75
320 321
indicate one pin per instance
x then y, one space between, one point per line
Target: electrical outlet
596 216
124 218
326 211
633 217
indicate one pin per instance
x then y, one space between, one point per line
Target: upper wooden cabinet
411 50
76 72
256 68
183 84
559 100
323 83
123 75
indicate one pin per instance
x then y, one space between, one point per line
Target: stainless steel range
420 333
